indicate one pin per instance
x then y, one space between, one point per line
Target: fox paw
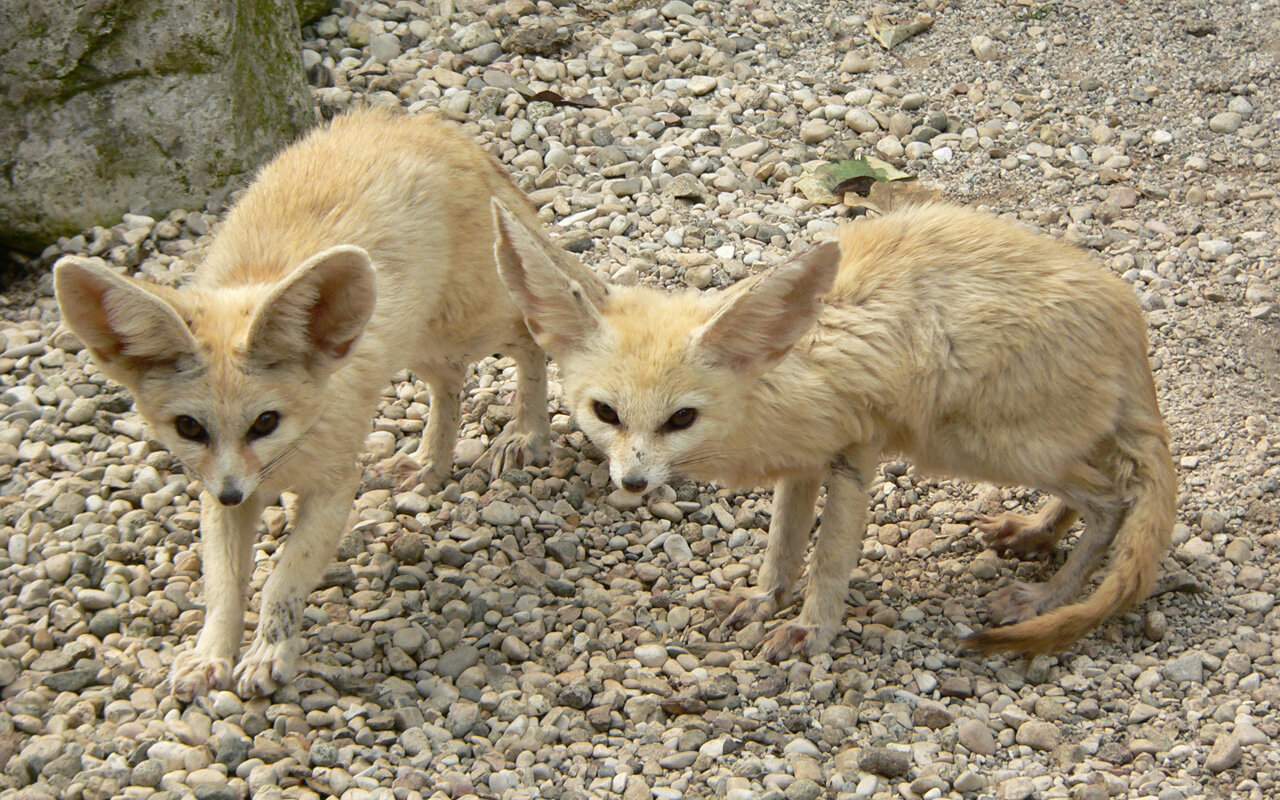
404 474
1014 533
195 673
1016 602
744 606
793 639
516 450
266 667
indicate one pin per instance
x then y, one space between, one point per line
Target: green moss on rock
312 10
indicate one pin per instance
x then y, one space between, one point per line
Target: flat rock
976 736
1225 754
1038 735
884 761
1189 667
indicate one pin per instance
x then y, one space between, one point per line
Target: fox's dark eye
264 424
189 429
605 413
681 419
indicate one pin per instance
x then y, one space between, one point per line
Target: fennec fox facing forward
365 248
972 345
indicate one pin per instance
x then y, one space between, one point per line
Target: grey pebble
1225 122
885 761
1189 667
1225 754
323 754
454 661
1039 735
500 513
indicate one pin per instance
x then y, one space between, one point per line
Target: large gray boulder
312 10
104 103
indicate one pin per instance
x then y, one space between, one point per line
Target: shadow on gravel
15 270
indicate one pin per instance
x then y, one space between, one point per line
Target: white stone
984 48
1226 122
701 84
651 655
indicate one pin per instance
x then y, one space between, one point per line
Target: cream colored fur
363 249
974 346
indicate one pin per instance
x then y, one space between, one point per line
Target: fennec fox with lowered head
365 248
974 346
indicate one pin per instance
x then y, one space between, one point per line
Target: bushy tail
1145 535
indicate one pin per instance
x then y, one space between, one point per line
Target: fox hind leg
1021 601
1027 534
432 463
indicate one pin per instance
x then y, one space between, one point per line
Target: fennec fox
972 345
365 248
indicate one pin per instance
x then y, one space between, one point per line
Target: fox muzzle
230 494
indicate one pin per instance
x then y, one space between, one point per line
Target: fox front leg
271 659
793 500
844 521
226 534
525 440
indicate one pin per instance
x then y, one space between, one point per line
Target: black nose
230 496
635 485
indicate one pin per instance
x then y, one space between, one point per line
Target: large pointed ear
126 324
561 311
755 326
318 312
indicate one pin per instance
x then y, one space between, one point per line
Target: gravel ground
524 637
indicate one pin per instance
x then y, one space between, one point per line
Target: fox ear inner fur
125 324
318 312
755 326
560 312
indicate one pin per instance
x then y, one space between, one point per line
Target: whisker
704 457
284 454
708 452
280 458
186 468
